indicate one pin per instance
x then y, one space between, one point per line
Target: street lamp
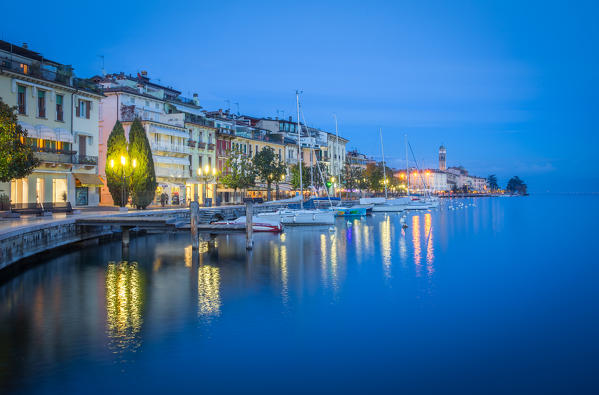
205 175
123 163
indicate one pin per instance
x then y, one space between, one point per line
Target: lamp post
206 175
123 163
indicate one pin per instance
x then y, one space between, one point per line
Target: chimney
196 99
25 45
144 73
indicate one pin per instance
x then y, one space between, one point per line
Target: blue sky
509 87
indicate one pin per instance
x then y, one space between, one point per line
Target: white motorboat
300 217
258 224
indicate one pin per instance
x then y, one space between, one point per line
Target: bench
27 208
58 207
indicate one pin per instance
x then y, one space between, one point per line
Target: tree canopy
116 148
516 185
492 182
269 167
295 177
241 173
142 178
16 156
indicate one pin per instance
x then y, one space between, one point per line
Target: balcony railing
182 149
211 146
85 160
191 143
201 145
176 173
54 157
63 74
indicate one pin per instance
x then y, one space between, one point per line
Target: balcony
191 143
180 149
210 147
85 160
129 113
201 145
173 173
63 74
54 157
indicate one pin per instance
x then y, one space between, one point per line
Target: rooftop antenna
237 104
228 104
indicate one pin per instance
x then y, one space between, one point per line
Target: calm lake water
502 296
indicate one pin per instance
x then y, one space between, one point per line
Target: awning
169 132
63 135
45 132
31 131
171 160
89 180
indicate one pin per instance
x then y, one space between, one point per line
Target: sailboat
301 216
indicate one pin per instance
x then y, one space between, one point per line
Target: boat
258 224
300 217
392 205
341 211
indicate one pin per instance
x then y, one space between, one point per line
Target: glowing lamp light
207 169
112 163
214 171
123 160
199 171
134 163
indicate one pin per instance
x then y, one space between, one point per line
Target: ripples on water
370 305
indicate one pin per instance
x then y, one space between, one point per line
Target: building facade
60 113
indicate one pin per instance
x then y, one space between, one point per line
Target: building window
59 112
41 103
200 157
84 108
147 103
21 99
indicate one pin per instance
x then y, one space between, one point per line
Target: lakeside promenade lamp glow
123 163
205 175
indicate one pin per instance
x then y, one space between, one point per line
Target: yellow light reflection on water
416 243
209 302
124 300
385 229
430 253
284 275
334 263
323 257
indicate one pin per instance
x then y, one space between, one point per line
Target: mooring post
125 235
194 214
249 229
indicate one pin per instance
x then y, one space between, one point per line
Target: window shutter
87 109
77 111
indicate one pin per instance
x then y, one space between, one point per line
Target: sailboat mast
384 165
338 168
299 150
407 165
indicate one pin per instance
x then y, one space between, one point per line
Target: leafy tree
374 176
295 178
241 174
268 168
352 176
16 156
141 165
516 185
115 149
492 182
315 175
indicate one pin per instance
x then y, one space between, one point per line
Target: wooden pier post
249 228
194 214
125 235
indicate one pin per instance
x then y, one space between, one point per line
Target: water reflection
385 228
430 252
124 301
416 243
209 302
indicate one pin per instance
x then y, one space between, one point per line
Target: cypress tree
115 148
143 177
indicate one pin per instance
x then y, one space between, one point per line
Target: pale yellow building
60 114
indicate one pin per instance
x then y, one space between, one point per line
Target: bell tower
442 163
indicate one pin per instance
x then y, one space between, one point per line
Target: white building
60 114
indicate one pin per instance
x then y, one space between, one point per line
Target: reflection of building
60 114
